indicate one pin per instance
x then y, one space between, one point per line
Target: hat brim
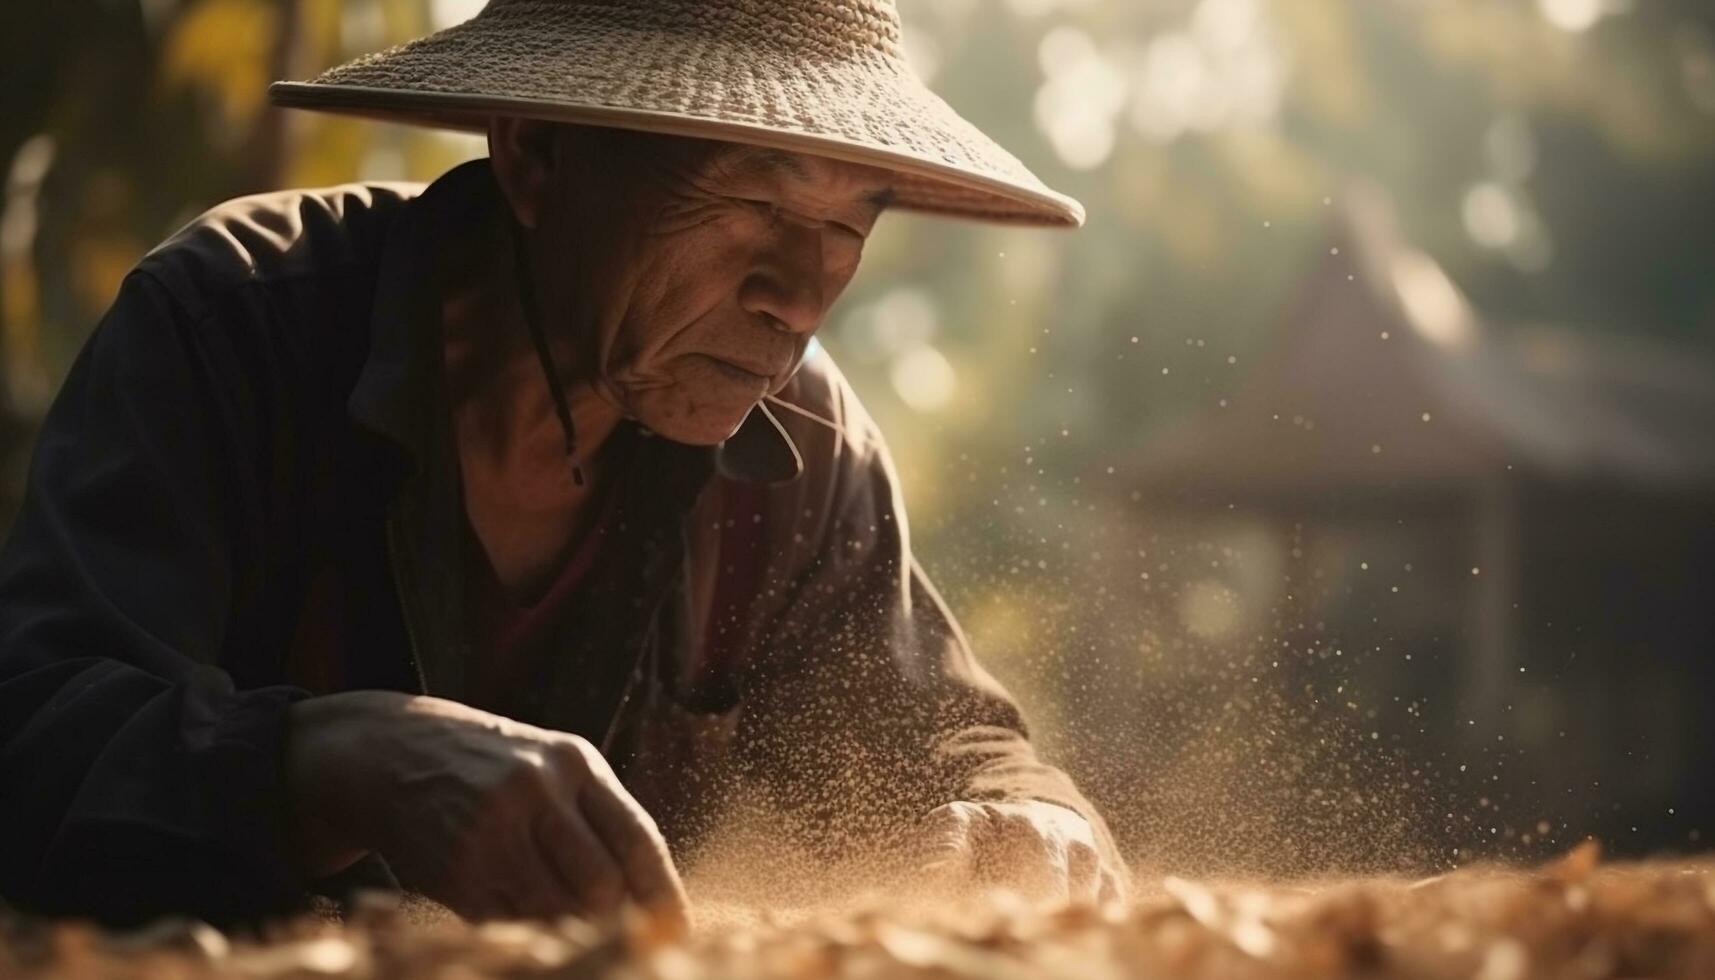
870 112
928 185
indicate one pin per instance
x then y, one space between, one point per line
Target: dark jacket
246 494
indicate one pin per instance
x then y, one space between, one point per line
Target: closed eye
773 211
766 207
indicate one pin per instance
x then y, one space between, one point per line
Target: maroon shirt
510 641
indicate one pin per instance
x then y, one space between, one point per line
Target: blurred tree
138 116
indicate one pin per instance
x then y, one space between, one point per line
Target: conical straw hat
822 77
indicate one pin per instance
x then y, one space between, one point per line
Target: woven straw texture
825 77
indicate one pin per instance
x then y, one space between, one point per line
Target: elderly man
502 537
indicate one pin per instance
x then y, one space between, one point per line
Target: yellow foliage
224 48
19 316
318 44
326 150
98 263
1330 72
1277 175
1527 61
405 19
1190 225
19 306
430 153
21 333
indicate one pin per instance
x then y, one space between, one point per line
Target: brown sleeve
863 705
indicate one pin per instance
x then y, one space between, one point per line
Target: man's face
701 270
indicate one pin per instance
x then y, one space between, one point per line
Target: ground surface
1574 918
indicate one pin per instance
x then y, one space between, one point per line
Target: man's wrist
324 835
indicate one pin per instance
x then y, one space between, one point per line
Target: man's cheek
683 384
634 365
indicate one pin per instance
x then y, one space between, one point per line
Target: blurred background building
1499 502
1340 497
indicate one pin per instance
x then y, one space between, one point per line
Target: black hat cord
533 321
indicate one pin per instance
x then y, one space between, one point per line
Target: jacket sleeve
135 778
865 708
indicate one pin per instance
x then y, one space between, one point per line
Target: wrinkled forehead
799 171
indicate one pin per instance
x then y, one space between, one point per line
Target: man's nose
786 284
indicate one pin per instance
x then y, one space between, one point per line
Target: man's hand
488 816
1041 851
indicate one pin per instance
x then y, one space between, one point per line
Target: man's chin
705 427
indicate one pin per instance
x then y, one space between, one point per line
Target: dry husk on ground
1573 918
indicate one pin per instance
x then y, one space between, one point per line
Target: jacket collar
399 394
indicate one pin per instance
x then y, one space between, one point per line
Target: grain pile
1574 918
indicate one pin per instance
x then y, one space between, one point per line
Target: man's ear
525 155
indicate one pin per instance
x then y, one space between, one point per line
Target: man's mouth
740 374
